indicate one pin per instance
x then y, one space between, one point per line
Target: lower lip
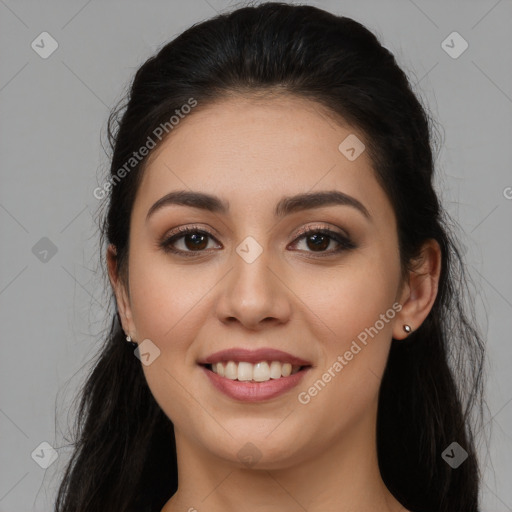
249 391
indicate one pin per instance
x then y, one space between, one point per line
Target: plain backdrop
53 114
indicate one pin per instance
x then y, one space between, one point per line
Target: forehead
253 151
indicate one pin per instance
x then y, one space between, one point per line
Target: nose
254 294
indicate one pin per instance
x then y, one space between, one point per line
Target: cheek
345 300
165 296
355 305
166 303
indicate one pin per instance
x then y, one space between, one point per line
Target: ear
420 290
122 297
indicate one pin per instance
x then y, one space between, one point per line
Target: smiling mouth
259 372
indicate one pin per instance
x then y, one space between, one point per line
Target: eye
195 240
319 239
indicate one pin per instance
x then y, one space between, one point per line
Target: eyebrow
285 206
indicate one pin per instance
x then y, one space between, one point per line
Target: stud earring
131 342
407 328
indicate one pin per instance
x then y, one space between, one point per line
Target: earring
407 328
130 342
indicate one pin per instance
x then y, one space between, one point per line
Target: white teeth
219 369
230 371
275 370
259 372
286 369
244 371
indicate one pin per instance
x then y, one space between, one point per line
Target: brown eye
318 240
191 241
188 240
195 241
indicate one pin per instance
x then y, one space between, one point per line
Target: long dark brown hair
124 456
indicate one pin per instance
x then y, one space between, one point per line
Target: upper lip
254 356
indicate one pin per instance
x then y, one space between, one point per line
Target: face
247 277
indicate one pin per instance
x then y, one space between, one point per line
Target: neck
344 476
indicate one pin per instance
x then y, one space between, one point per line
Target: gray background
52 114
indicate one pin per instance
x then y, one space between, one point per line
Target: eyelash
344 243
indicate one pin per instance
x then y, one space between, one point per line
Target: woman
282 264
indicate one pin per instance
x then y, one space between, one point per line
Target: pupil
319 241
197 240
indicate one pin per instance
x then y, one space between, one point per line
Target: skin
251 152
